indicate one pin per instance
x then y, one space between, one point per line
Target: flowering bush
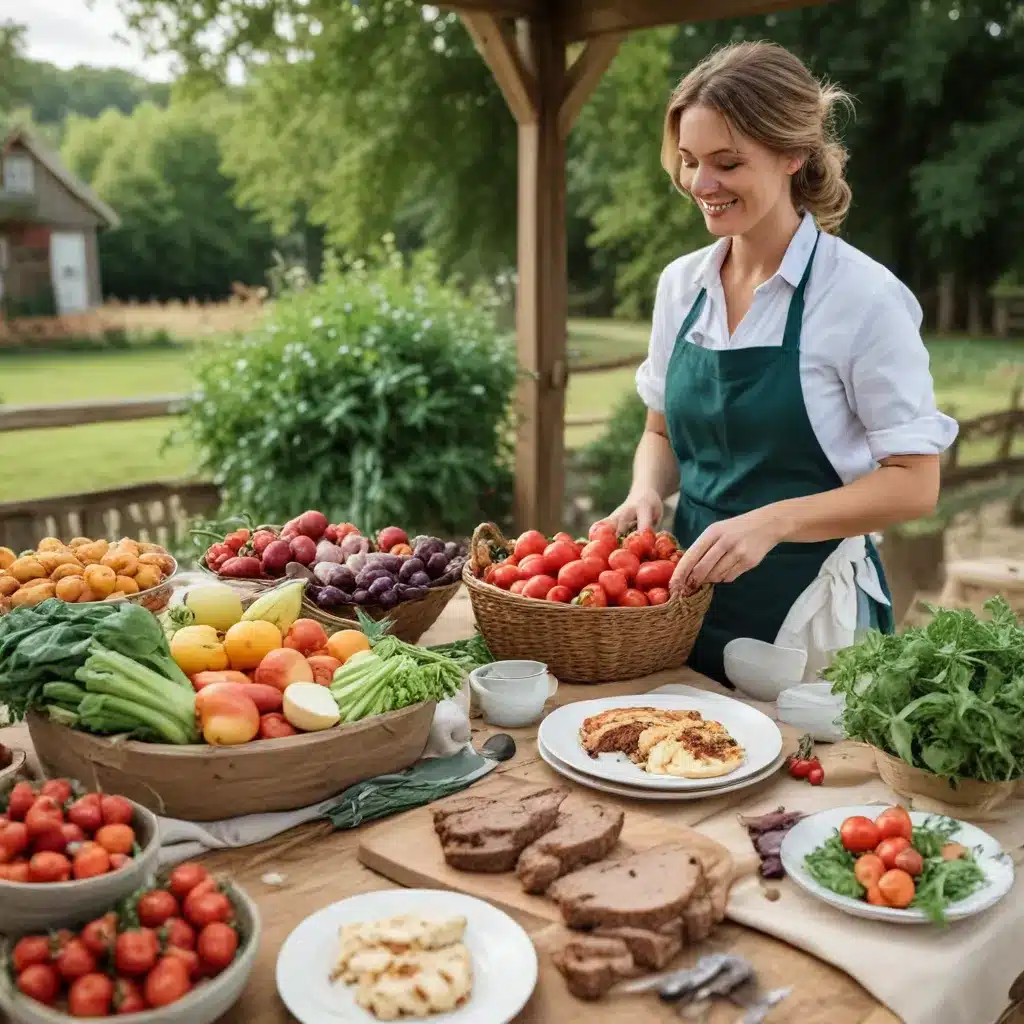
379 395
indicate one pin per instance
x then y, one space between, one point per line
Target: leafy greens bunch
947 697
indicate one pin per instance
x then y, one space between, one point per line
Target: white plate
636 793
807 835
756 732
504 960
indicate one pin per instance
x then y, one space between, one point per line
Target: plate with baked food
407 954
663 741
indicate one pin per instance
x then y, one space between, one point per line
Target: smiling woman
787 385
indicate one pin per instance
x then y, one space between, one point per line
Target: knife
757 1005
677 982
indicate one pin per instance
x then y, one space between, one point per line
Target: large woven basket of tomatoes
593 610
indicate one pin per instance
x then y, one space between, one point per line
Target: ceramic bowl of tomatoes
67 855
178 952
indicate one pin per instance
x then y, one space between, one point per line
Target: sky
70 32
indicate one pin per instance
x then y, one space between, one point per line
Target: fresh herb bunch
947 697
831 865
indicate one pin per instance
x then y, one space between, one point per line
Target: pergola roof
525 43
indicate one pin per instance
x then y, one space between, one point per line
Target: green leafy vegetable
947 697
944 882
831 865
467 654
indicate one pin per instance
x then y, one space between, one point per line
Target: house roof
54 165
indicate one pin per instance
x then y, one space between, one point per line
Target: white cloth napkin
183 840
824 617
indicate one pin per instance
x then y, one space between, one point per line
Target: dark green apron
739 427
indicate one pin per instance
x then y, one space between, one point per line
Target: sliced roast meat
579 837
592 965
652 950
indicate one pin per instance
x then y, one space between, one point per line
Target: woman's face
734 180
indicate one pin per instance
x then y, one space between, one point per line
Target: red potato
266 698
203 679
303 549
276 555
244 567
390 537
275 727
311 524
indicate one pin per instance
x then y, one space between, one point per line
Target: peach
282 667
228 718
324 667
249 641
306 636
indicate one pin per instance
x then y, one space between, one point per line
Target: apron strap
795 316
691 317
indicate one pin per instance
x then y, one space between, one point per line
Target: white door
68 270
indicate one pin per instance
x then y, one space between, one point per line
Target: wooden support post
584 76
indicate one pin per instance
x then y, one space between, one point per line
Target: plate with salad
890 864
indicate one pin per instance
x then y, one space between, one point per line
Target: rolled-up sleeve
650 376
890 384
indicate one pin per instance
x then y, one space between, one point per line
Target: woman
787 385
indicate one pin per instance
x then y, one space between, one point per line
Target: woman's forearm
901 489
654 465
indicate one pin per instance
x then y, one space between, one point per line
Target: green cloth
421 783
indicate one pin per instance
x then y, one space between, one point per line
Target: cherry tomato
592 596
953 851
875 897
167 982
72 833
625 562
599 550
52 841
13 839
40 982
533 565
59 789
894 822
606 526
614 584
539 587
897 888
16 871
654 574
532 542
99 935
559 553
909 860
43 816
75 961
178 932
574 575
816 776
22 797
518 587
33 949
505 575
90 861
116 838
633 599
218 943
86 814
205 884
562 535
869 869
189 957
658 595
156 907
859 834
135 951
665 546
889 849
207 908
594 567
49 867
127 997
119 860
800 767
116 810
560 595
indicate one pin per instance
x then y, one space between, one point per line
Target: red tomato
72 833
574 575
562 535
594 566
52 840
22 797
909 860
118 860
665 546
127 997
592 596
167 982
895 821
539 587
559 553
489 574
218 943
614 583
59 789
155 907
116 838
889 849
49 867
658 595
597 549
625 562
816 776
116 810
505 575
33 949
511 560
633 599
39 982
13 840
601 526
897 888
875 897
177 932
517 587
533 542
135 951
99 935
859 834
560 595
194 880
75 961
43 816
207 908
90 861
189 957
869 869
533 565
654 574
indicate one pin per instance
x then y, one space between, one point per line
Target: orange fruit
247 643
346 642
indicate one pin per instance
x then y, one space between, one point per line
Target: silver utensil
676 983
736 973
757 1004
499 747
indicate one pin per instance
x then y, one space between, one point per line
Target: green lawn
972 377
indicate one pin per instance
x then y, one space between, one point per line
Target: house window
18 173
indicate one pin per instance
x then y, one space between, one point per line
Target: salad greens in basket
947 697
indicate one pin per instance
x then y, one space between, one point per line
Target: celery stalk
100 712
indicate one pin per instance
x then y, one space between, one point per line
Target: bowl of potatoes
83 570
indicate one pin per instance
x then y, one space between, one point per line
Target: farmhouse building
49 260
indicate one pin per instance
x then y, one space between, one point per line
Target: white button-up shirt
863 366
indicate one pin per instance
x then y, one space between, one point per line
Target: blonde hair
766 93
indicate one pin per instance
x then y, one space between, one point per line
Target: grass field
972 377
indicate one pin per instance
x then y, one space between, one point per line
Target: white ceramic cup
520 680
512 709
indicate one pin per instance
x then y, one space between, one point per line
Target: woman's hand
641 510
726 550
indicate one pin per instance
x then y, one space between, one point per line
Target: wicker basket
409 620
583 645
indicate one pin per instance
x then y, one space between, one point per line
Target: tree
182 235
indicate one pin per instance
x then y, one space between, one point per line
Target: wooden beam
584 75
501 8
76 414
542 292
497 46
584 19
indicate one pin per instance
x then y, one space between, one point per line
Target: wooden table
319 866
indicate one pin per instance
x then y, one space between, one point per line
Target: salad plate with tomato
891 864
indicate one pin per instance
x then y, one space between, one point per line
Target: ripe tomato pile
804 765
603 571
49 835
149 954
